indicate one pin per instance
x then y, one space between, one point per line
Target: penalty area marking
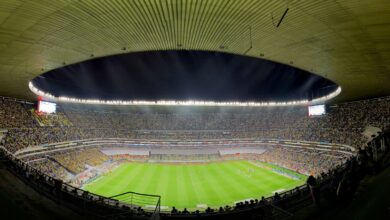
154 206
279 191
276 172
201 206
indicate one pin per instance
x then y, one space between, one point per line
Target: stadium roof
346 41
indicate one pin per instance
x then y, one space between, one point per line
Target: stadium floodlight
51 97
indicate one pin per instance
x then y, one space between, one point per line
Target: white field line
154 206
278 191
202 206
280 174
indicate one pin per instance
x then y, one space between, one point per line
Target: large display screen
47 107
316 110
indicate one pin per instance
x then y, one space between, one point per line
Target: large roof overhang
345 41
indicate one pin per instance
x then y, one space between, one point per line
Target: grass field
188 185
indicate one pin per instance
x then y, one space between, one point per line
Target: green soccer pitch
196 185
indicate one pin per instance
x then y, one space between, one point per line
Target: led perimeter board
47 107
316 110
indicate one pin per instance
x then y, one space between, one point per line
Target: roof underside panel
346 41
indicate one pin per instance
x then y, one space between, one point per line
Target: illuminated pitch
197 186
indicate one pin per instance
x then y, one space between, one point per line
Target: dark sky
183 75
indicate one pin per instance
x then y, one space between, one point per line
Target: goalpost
149 203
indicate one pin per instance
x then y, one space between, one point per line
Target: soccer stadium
194 109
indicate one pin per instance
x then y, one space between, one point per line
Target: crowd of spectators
13 114
128 157
342 124
76 161
52 169
344 117
58 120
242 119
185 158
17 139
306 161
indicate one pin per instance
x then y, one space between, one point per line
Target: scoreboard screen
47 107
316 110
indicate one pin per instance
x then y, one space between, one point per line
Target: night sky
183 75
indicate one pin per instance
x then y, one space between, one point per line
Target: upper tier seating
342 124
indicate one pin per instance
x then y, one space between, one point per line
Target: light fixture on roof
51 97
